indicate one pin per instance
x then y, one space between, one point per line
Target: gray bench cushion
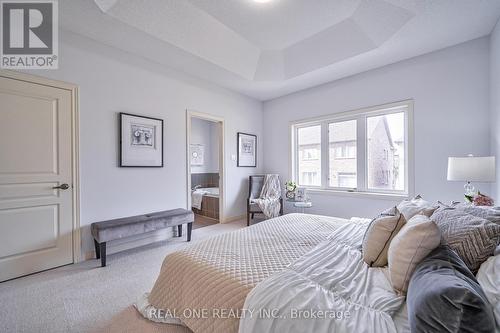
135 225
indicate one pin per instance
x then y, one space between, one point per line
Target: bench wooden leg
102 250
179 229
190 228
248 219
97 250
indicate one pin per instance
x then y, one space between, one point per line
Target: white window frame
295 160
361 116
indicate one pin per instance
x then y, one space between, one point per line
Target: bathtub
210 203
211 191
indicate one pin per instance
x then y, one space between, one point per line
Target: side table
302 205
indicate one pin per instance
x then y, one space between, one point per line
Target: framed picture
247 150
141 141
301 194
197 154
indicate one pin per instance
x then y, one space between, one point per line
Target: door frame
75 145
222 167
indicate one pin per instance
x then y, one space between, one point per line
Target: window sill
370 195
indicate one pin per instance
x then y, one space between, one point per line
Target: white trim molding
75 146
360 115
222 165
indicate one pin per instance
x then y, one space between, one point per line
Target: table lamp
471 169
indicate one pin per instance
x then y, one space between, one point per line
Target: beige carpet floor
87 298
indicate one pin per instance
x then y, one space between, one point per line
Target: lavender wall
450 89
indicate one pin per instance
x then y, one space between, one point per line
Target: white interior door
36 217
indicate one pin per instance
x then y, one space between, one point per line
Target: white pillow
416 206
418 237
488 277
378 237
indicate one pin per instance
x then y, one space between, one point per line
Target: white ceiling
266 50
280 23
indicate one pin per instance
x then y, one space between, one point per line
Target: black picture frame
121 139
240 163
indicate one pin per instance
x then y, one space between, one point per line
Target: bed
296 261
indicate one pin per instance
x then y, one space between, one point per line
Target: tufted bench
135 225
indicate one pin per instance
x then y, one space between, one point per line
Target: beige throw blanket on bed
217 274
269 201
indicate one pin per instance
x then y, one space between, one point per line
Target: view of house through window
386 151
309 155
379 151
342 151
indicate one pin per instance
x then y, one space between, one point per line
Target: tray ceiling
266 50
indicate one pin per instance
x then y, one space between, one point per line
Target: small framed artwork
301 194
197 154
141 141
247 150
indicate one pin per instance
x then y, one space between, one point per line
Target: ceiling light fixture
261 1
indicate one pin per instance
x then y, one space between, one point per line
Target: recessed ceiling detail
190 29
198 27
279 47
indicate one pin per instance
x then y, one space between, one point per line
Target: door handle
61 187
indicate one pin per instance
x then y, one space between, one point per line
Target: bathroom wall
206 133
204 180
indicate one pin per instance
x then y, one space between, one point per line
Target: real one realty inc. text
250 313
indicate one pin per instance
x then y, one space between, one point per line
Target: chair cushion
254 208
255 186
135 225
444 296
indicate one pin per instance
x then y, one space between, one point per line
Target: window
358 151
347 180
309 155
309 178
342 151
386 148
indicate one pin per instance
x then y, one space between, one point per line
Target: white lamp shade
472 169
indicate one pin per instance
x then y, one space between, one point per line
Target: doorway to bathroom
205 168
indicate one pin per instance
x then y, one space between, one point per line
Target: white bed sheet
331 278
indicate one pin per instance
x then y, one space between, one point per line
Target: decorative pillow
485 212
444 296
473 238
413 243
488 277
415 206
379 235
